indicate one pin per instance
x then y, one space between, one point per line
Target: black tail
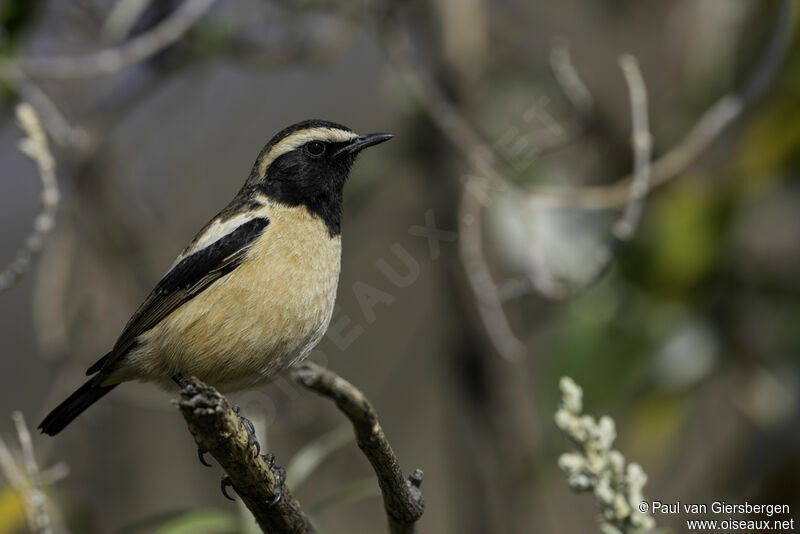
85 396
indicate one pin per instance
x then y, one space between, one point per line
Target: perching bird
253 292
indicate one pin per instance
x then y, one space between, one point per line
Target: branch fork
218 430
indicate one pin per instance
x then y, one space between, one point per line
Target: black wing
186 280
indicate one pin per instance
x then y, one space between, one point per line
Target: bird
253 292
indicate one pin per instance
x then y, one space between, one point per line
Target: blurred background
480 258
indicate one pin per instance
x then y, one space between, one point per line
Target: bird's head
308 160
307 165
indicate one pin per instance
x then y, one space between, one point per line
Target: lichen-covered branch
35 499
402 497
598 468
34 145
217 429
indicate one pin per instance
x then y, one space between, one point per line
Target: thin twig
402 497
568 78
217 429
479 277
716 119
37 501
641 146
62 132
475 189
122 18
11 471
113 60
711 124
444 113
641 143
35 147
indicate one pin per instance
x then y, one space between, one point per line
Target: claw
201 455
224 484
278 472
251 430
280 478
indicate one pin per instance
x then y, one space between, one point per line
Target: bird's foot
278 472
183 384
251 430
280 476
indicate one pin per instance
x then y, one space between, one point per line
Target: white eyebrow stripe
301 137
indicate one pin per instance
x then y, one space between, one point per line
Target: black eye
315 149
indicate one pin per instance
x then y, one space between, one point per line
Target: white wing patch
301 137
216 231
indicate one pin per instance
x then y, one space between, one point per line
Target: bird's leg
178 379
251 430
183 384
278 472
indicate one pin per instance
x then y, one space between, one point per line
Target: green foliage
598 351
683 235
654 426
199 521
15 16
770 143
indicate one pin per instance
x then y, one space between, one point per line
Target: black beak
364 141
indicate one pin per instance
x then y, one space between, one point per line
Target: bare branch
122 18
482 158
706 130
217 429
36 499
402 497
35 147
62 132
479 277
568 78
113 60
641 143
449 119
